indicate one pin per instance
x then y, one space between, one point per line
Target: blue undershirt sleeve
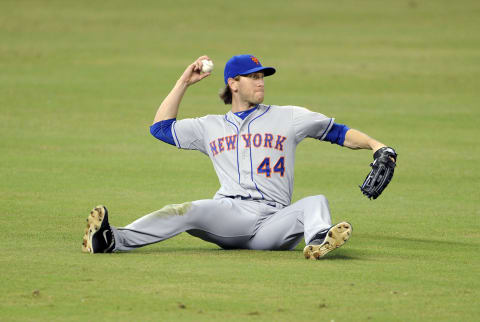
163 131
337 134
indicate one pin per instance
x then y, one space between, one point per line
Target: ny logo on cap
255 60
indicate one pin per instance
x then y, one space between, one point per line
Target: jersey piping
327 129
250 148
175 133
238 134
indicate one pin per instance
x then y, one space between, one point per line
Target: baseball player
252 149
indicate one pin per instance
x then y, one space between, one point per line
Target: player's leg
308 218
226 222
286 228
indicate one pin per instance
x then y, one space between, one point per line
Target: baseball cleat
98 237
335 237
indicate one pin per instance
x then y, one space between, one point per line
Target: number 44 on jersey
265 168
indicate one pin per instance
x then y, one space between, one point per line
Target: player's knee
321 198
174 209
317 202
318 199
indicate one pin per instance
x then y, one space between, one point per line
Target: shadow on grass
432 242
175 250
341 256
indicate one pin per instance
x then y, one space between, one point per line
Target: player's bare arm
383 166
355 139
192 74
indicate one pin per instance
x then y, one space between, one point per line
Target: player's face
251 88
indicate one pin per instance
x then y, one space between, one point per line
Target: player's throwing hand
193 73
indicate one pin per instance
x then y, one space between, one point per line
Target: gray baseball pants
230 223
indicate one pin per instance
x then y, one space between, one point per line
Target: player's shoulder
296 113
285 108
210 117
205 121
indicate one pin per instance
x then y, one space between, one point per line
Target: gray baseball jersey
254 159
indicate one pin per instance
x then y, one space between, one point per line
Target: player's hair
225 93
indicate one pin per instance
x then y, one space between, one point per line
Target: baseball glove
382 172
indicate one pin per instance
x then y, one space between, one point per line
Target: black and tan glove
382 172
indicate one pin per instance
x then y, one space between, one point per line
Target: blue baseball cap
244 65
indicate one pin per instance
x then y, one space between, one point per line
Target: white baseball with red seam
207 66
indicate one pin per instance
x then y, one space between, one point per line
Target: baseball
207 66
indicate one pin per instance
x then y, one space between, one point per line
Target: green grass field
80 83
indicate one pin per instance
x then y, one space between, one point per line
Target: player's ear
233 84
